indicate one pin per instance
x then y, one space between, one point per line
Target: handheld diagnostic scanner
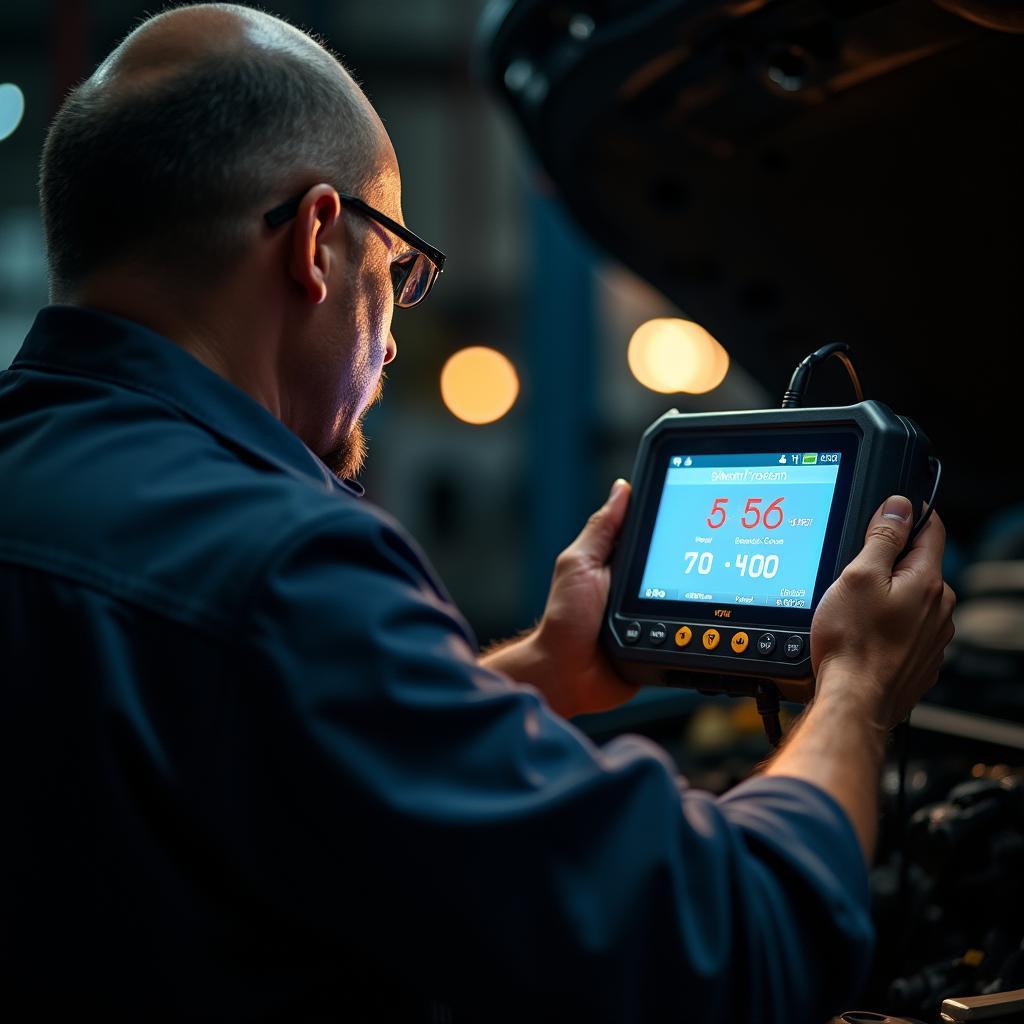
739 523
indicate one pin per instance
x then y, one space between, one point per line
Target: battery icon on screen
811 459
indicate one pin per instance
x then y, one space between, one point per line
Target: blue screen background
691 561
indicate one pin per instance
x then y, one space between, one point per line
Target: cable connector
794 396
767 698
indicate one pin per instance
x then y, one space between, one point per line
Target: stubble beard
347 458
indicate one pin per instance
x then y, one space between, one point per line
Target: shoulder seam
132 591
278 551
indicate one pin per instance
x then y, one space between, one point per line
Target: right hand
881 628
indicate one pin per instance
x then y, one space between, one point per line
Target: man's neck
231 339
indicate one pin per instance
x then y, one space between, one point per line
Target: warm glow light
670 355
12 107
479 385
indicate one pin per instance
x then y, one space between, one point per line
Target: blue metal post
561 354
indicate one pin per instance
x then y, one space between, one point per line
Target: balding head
201 119
182 37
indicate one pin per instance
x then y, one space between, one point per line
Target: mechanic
254 765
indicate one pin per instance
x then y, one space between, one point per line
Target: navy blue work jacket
253 770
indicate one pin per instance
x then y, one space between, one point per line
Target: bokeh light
479 385
12 107
669 355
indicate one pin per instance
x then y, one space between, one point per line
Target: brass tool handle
971 1008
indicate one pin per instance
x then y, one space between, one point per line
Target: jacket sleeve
414 805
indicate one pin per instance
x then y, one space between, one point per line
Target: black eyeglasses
412 274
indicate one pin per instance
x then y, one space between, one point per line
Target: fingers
925 556
886 536
597 538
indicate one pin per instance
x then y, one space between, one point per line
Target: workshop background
493 460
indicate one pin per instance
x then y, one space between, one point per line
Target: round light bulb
479 385
670 355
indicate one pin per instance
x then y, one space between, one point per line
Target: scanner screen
741 529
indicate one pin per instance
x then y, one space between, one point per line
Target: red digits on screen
718 509
776 507
752 504
752 516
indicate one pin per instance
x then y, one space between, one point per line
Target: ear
317 223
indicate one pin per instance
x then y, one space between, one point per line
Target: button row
657 633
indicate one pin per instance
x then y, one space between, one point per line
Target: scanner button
766 644
710 639
740 642
794 646
656 634
631 634
683 636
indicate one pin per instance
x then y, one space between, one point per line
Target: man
254 767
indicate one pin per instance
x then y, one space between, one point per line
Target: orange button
740 642
683 636
710 639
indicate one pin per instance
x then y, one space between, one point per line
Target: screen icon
782 460
688 462
677 461
811 459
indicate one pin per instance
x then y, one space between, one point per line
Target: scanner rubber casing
892 458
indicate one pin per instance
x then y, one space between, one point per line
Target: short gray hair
174 174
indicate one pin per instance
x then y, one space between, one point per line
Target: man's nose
392 349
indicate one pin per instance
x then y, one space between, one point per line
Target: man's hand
877 642
562 657
883 629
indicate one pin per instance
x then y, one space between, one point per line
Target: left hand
562 657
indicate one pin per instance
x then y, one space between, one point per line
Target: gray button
766 644
794 646
656 634
631 634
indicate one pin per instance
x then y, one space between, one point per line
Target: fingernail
897 507
616 487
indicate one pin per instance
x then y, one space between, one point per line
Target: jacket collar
85 342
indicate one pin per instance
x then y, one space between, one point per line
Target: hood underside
791 173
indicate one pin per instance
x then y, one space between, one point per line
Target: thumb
887 535
597 538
